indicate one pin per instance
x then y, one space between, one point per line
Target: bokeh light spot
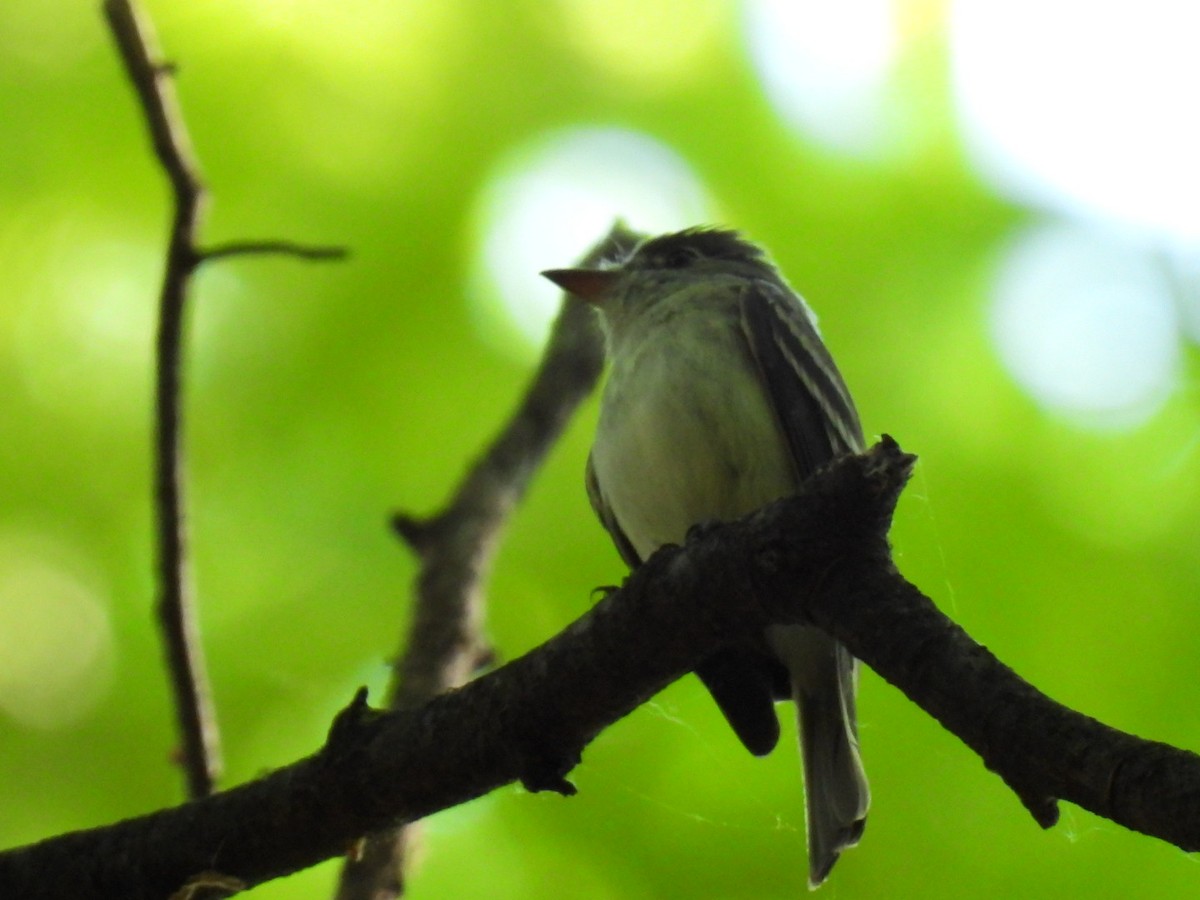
40 40
552 199
364 38
1084 107
1086 325
645 43
825 67
56 644
83 333
367 79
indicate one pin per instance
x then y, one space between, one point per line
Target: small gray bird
721 397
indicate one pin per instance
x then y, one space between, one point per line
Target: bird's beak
586 284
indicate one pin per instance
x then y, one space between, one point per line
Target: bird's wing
605 514
819 423
810 399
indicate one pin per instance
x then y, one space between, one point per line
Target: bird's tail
835 786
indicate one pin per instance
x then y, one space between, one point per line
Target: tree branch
821 557
445 645
200 752
151 78
273 248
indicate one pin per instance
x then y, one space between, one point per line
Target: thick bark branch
820 557
1043 750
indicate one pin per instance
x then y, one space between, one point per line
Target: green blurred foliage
320 398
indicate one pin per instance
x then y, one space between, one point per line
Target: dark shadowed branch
445 644
821 557
200 749
152 79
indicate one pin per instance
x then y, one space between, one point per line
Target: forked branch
153 80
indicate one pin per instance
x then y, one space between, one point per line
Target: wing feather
810 399
605 514
819 422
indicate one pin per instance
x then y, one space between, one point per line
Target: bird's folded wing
810 399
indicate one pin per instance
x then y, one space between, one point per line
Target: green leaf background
319 398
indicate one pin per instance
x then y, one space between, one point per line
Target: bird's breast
687 434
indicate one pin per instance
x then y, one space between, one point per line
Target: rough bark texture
820 557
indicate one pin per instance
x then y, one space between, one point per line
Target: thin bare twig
445 645
272 248
176 612
151 78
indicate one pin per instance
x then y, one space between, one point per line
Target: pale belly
682 441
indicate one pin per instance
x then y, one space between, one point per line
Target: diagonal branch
151 78
820 557
528 720
445 645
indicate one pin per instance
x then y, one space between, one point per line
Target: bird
720 398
